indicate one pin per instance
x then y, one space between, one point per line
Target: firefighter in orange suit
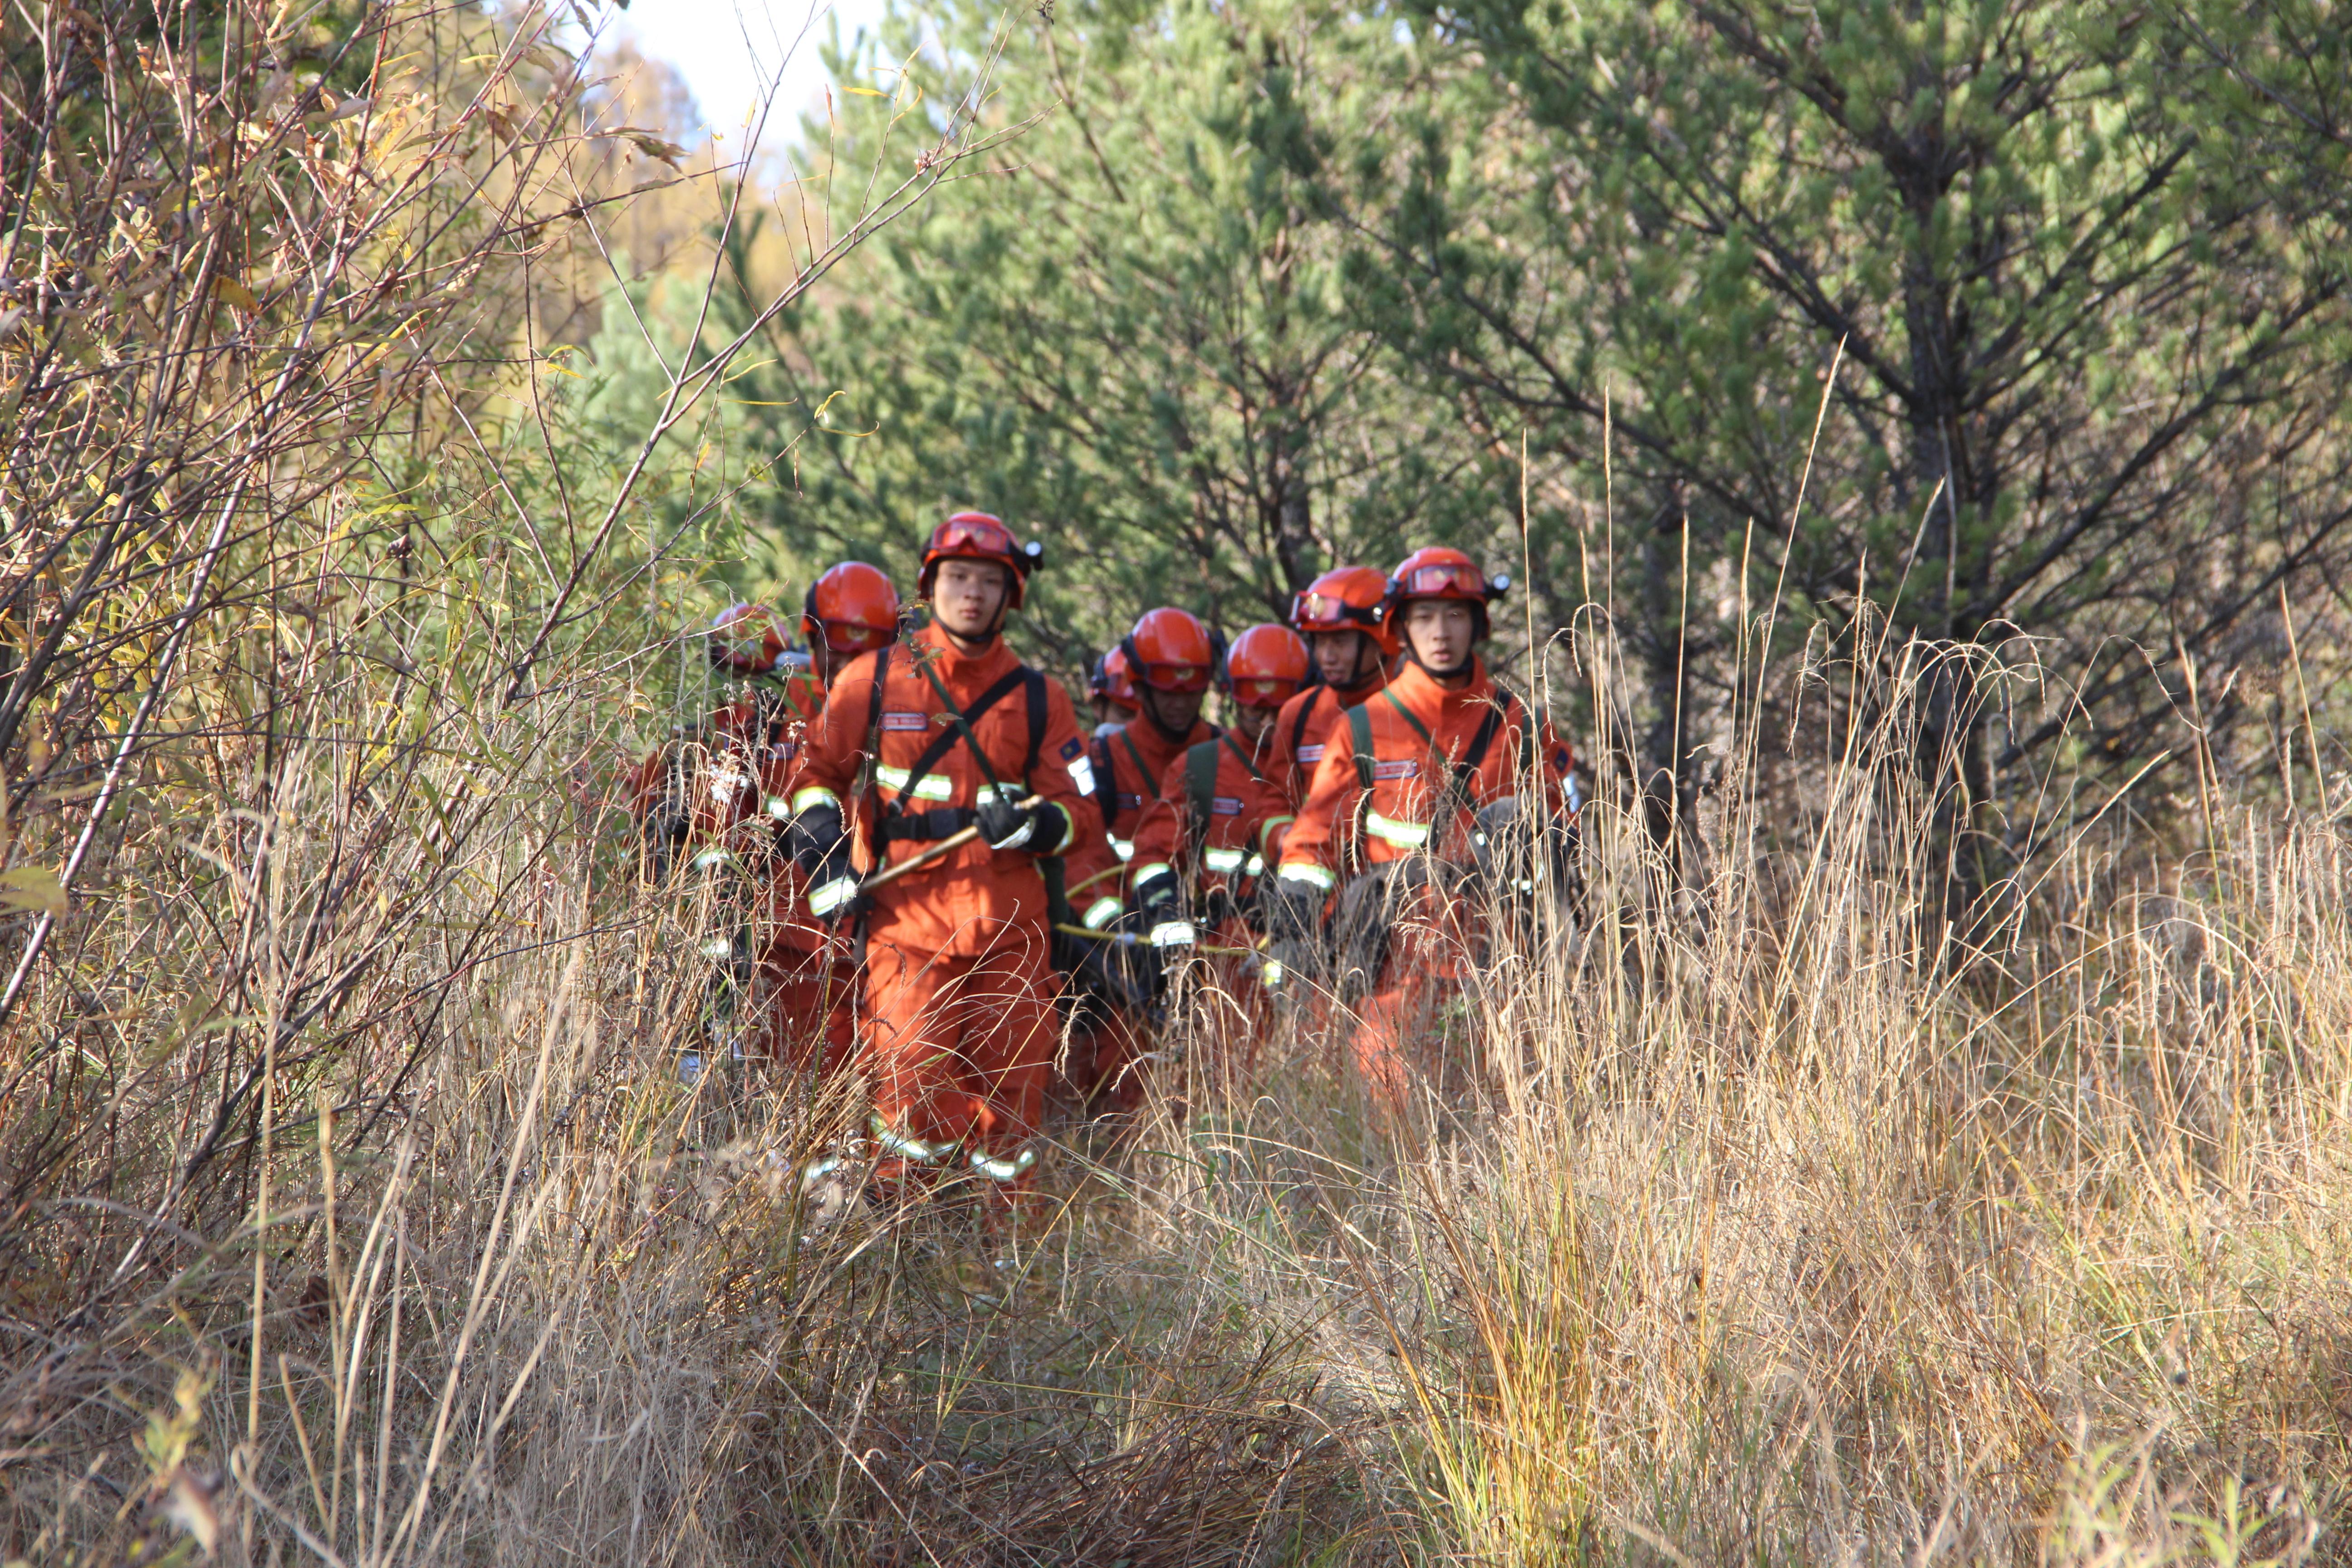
1408 807
1339 616
921 740
1172 658
715 796
1110 692
807 979
1202 847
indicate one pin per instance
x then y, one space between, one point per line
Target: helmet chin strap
1151 711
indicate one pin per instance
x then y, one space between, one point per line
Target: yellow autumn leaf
235 293
33 888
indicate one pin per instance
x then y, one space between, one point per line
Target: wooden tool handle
956 840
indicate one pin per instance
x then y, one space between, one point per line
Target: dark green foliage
2086 304
1132 340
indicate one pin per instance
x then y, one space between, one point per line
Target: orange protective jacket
733 783
1129 764
1242 834
1344 827
965 904
1303 729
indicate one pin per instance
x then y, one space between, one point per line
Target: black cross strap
1455 794
959 728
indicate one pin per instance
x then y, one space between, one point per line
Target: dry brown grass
1785 1234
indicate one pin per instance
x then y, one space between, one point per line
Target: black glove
1293 923
815 836
1293 908
1126 973
1157 897
1038 827
1509 845
819 846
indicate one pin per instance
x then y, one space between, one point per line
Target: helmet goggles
1444 579
1264 691
1311 611
972 536
1165 676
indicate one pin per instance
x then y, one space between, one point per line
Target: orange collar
1417 689
959 669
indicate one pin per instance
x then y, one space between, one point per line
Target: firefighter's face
967 597
1336 654
1174 711
1251 723
1441 631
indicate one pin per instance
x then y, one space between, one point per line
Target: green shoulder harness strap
1149 788
1455 794
865 789
1200 793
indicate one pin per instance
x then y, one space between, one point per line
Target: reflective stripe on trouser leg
958 1047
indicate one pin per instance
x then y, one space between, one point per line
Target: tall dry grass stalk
1773 1203
1757 1218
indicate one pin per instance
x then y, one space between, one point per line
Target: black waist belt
927 827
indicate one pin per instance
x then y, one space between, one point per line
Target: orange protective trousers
1422 969
958 1047
809 998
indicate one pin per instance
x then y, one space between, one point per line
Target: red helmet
1111 680
1438 571
1267 666
1344 599
1171 650
746 640
978 536
853 607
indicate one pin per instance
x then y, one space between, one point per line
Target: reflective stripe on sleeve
1308 872
1173 934
1150 873
1100 913
1407 835
1123 848
779 807
1225 862
815 794
828 897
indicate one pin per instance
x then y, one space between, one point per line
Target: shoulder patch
1070 749
906 721
1560 758
1310 753
1403 768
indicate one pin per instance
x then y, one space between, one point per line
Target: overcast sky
731 52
